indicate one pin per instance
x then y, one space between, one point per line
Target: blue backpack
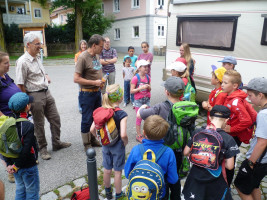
146 180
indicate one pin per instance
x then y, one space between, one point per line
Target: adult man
88 74
108 58
32 79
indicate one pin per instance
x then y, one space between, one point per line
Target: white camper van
217 28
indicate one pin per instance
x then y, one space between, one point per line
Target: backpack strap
147 78
160 152
138 80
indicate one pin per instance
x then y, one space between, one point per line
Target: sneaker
11 178
44 154
124 105
108 193
139 138
121 196
61 145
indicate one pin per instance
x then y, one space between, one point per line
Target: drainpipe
30 8
7 12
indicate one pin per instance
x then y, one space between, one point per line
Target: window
264 32
61 18
161 32
135 3
117 34
102 7
160 2
116 5
136 31
37 13
210 32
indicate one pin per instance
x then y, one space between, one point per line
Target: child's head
174 86
4 63
178 69
114 94
145 47
229 62
142 66
220 113
217 75
152 130
83 45
131 51
185 50
128 62
231 81
257 91
20 102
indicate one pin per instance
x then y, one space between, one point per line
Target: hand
48 79
10 169
144 87
205 105
143 106
227 128
98 82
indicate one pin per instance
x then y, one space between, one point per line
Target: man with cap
174 89
254 168
24 167
32 79
228 62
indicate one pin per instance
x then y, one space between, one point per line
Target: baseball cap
177 66
219 72
181 60
258 84
173 84
220 111
19 101
229 59
142 63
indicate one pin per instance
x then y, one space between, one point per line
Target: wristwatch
250 163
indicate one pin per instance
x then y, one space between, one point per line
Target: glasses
37 44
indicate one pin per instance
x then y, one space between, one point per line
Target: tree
2 33
87 19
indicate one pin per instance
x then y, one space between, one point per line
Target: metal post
42 55
92 173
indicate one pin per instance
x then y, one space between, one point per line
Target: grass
67 56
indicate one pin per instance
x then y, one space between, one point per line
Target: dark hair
178 94
145 43
152 129
130 47
2 54
256 93
95 39
128 58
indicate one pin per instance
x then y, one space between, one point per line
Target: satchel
82 194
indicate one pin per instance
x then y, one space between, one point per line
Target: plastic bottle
104 78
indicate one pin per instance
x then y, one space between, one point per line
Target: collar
154 142
28 56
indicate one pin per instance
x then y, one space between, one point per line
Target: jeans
109 81
127 94
27 184
89 102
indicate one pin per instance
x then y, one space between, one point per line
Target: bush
13 34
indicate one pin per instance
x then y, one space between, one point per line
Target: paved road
69 164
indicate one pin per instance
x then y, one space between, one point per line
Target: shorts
114 156
139 102
249 179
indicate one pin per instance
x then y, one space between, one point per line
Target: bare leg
117 181
138 129
256 194
244 196
107 176
2 191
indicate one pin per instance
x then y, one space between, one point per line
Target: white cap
142 63
177 66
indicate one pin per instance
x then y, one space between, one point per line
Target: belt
89 90
43 90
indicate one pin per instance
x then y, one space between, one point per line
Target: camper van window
207 32
264 32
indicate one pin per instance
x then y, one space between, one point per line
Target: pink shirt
146 56
142 93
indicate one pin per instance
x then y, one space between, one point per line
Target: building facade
59 16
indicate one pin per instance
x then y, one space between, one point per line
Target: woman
7 89
82 47
186 54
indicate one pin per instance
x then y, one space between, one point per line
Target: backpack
10 143
189 92
106 129
147 177
206 148
82 194
181 119
139 80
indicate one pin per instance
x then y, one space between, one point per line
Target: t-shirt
119 115
260 132
108 54
89 67
128 73
6 91
146 56
133 58
77 55
142 93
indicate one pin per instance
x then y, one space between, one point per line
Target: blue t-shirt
133 58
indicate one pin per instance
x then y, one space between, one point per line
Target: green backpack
10 143
189 92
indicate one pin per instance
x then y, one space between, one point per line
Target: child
128 73
179 69
174 88
154 135
216 97
228 62
254 168
240 124
201 184
140 87
114 156
27 187
146 56
132 56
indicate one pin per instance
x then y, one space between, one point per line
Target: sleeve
21 72
144 113
101 55
122 114
172 176
139 57
8 161
79 66
131 161
220 99
134 80
231 147
76 57
151 57
261 125
190 140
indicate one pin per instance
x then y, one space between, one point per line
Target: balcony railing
17 18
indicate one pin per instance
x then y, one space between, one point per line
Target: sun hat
142 63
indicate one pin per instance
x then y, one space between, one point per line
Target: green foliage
13 34
60 34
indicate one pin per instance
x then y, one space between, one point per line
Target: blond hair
187 55
155 127
107 100
235 76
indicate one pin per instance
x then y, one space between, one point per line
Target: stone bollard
92 174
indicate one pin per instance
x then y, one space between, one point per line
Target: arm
83 81
172 176
186 150
260 146
123 133
92 129
48 78
21 87
230 163
131 161
123 73
2 191
138 112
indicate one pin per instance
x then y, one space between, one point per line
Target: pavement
67 171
